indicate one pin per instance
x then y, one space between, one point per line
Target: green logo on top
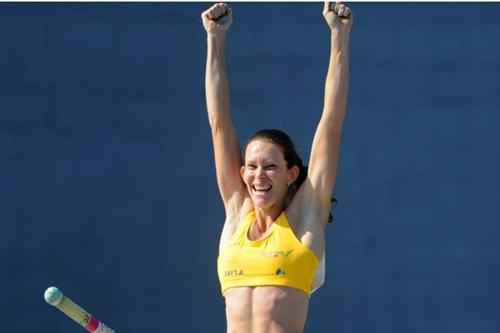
280 272
275 254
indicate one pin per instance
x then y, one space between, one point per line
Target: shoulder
233 219
308 210
307 219
236 207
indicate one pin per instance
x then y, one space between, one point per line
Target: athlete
273 243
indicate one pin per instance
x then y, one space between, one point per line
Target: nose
260 172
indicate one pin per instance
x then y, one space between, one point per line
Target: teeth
261 189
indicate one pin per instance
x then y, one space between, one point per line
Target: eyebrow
265 161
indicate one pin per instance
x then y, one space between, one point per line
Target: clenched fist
338 16
217 19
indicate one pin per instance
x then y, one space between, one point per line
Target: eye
251 166
270 167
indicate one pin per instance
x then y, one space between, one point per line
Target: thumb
326 7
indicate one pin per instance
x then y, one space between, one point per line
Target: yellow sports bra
279 259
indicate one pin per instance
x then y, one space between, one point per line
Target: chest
276 253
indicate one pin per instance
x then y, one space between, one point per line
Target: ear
293 173
242 171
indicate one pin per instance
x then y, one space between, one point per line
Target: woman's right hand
217 19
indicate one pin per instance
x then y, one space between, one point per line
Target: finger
229 11
222 7
347 12
225 8
340 11
209 13
339 8
206 13
216 11
336 6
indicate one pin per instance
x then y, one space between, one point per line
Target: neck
266 217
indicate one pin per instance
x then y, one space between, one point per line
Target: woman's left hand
338 16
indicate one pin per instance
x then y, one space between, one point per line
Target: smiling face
266 174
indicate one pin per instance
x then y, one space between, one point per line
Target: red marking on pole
93 324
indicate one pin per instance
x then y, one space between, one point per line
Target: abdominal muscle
266 309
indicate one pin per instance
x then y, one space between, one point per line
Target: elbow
335 120
218 124
214 123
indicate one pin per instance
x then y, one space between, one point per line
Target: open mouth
261 188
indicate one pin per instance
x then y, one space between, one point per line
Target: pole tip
53 296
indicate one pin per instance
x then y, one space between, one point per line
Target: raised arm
325 148
216 21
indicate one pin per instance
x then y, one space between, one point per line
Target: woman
273 238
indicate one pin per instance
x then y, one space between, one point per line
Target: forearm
337 79
216 81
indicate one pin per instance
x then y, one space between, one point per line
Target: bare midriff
266 309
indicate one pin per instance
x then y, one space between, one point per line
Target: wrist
216 40
342 35
340 40
219 35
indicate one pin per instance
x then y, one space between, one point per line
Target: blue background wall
107 185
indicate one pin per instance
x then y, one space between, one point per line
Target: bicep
324 159
227 161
